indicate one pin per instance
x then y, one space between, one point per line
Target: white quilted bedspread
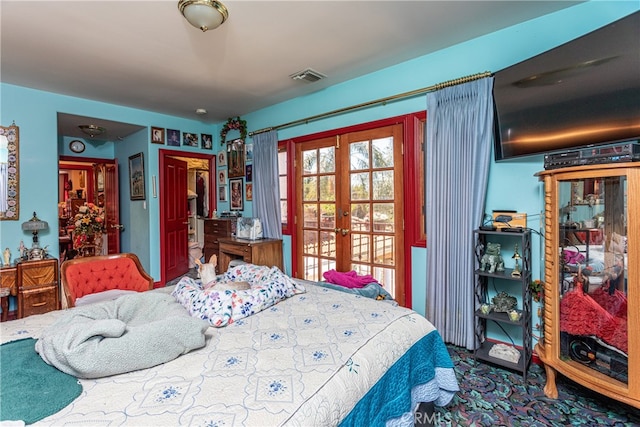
304 361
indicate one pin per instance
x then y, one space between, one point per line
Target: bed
322 357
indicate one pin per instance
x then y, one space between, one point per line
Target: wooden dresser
260 252
214 229
7 287
38 287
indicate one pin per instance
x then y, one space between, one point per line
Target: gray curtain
266 183
457 157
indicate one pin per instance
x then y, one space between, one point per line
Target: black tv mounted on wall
585 92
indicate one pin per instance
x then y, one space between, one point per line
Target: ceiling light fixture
201 111
203 14
92 130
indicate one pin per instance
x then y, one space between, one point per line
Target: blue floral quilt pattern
305 361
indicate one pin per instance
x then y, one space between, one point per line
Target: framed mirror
9 170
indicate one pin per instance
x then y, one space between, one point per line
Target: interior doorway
187 198
82 181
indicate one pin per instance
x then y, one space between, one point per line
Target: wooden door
111 204
173 201
351 211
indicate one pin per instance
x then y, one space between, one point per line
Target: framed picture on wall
237 200
249 192
157 135
136 176
235 158
222 158
222 177
173 137
222 193
206 141
249 153
249 175
190 139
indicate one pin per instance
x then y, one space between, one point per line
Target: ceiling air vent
308 75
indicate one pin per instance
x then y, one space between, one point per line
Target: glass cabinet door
593 265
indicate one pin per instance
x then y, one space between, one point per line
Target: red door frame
413 155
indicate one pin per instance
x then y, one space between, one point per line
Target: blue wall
36 113
511 183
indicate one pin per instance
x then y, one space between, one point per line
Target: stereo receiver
616 153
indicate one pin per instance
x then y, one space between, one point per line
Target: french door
350 214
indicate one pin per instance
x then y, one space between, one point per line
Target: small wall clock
76 146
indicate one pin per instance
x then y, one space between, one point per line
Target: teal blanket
423 374
31 390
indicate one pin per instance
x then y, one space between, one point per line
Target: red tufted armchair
90 275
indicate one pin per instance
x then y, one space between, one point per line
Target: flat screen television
582 93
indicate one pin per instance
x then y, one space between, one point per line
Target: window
283 173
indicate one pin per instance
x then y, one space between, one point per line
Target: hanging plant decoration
233 123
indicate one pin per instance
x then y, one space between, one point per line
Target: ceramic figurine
492 261
22 249
7 257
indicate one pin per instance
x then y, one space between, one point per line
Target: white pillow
102 296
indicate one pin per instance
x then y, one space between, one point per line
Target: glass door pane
593 261
374 228
318 210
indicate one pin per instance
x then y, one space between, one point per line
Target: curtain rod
409 94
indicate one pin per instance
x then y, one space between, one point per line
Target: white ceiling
144 54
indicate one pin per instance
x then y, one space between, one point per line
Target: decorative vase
89 244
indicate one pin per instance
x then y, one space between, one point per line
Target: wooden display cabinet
592 292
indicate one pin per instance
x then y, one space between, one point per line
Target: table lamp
35 225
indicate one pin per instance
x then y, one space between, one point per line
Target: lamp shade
34 224
203 14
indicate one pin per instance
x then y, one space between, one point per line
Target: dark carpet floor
492 396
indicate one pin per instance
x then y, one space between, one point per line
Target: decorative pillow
223 307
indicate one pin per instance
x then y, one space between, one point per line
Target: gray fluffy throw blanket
133 332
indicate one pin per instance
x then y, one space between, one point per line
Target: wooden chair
96 274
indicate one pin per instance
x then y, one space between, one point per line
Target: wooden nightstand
38 287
